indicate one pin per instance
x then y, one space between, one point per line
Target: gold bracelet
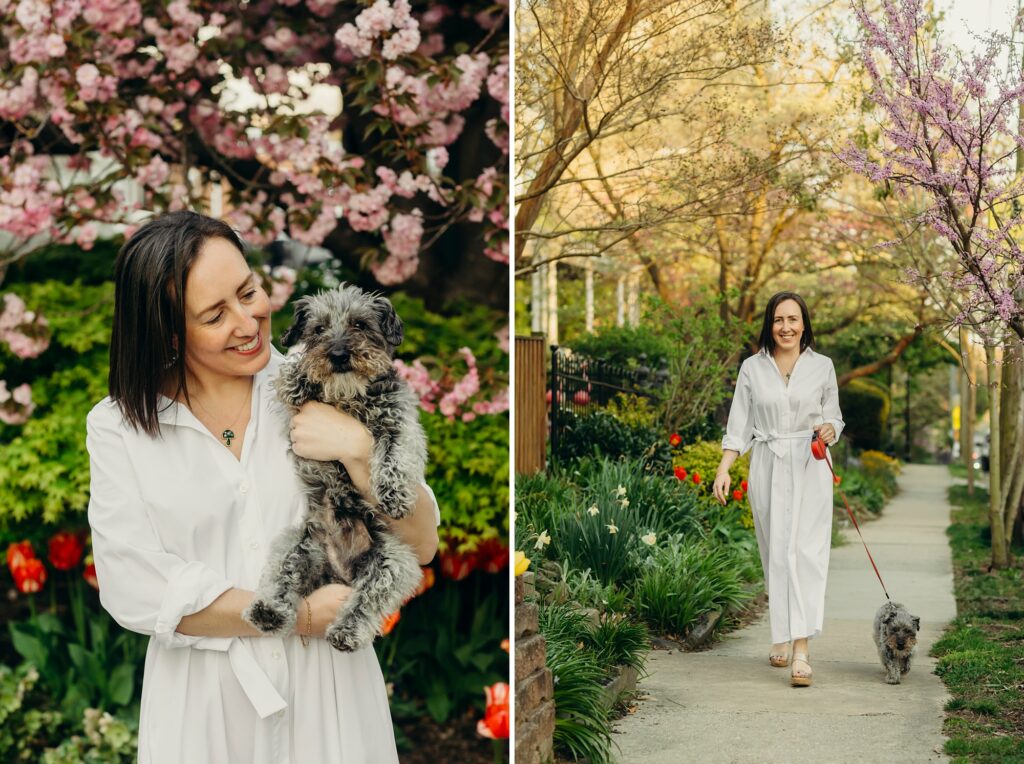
309 624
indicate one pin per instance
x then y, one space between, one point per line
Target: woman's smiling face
227 315
788 326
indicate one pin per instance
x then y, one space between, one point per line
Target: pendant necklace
227 434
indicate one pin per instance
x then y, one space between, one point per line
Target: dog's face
346 333
901 631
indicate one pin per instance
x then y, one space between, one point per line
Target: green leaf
438 705
28 646
121 684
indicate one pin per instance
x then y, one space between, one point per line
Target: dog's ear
294 332
390 324
917 623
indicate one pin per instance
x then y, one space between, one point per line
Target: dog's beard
893 644
344 385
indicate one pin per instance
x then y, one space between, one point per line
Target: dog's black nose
341 359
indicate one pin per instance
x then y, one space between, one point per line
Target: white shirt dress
177 521
790 491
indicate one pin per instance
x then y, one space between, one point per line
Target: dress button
254 545
276 655
244 488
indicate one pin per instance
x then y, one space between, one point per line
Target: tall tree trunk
1012 435
967 406
1000 558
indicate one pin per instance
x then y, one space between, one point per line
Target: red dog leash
820 452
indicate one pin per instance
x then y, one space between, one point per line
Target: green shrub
627 346
865 406
619 641
27 721
582 729
602 434
681 580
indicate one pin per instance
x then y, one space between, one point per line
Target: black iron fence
581 385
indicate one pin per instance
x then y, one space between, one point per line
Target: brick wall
535 705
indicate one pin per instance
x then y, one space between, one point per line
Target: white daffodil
620 491
613 528
542 540
649 539
593 510
624 503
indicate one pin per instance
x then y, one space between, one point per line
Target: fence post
554 402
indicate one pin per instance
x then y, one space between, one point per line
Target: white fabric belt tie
257 685
773 439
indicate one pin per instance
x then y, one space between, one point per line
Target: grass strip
981 656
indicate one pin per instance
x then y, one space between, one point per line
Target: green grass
981 657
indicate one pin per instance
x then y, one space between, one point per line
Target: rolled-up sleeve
830 402
144 588
739 430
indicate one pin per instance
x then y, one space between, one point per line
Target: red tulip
66 550
506 645
680 472
696 478
429 577
389 623
30 577
492 555
581 398
18 554
495 723
89 574
743 485
457 566
674 439
738 495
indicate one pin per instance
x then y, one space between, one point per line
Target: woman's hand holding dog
324 604
325 434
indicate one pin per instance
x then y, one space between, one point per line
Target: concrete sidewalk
728 705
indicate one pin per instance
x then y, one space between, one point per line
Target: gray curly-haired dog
349 337
895 637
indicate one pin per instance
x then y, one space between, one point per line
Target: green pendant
227 435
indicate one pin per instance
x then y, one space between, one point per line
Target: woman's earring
170 363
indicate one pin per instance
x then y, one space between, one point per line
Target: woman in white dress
785 394
191 481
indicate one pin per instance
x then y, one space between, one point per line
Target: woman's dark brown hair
767 339
147 345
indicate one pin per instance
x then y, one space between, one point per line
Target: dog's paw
904 670
892 679
394 504
269 617
347 639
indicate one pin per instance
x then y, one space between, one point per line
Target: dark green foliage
447 645
602 434
627 346
865 405
682 580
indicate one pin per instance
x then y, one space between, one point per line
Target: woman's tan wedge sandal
779 658
799 677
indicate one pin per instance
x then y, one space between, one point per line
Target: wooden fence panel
531 407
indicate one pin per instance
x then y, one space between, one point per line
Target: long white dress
790 491
178 520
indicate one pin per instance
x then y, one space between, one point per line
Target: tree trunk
589 287
551 301
999 552
967 406
1012 435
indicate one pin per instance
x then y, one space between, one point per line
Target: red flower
743 485
674 439
680 472
581 398
18 554
429 577
495 723
389 623
455 565
506 645
696 478
547 397
66 550
30 577
492 555
89 574
738 495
